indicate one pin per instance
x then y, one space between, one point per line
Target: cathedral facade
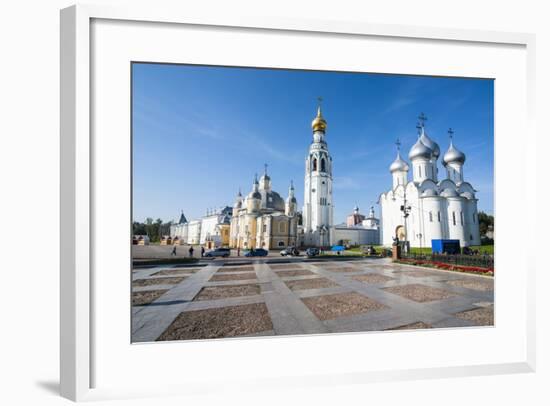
425 208
263 219
318 203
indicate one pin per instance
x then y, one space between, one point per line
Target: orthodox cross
451 132
398 143
418 128
265 169
422 117
320 100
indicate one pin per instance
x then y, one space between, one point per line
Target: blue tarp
338 248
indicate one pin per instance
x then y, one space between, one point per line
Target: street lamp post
406 211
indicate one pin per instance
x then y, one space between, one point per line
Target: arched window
323 165
314 164
431 217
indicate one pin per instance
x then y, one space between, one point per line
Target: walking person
173 251
191 251
202 252
238 251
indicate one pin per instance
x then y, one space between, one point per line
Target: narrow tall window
431 217
474 217
439 216
419 171
323 169
314 164
461 218
454 219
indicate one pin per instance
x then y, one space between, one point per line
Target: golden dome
319 123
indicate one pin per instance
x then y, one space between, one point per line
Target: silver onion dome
431 144
420 150
453 155
399 164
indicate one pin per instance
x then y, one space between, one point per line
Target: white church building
425 208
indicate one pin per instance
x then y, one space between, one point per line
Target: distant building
211 230
263 219
357 230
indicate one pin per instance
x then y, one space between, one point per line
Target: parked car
258 252
312 252
218 252
290 251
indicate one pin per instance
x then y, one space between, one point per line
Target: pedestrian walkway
228 300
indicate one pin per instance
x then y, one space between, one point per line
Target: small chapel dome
449 193
319 123
453 155
468 195
429 192
254 195
399 164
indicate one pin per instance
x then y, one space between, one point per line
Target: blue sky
200 133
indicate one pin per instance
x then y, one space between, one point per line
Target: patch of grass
484 249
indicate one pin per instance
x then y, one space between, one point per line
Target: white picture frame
78 353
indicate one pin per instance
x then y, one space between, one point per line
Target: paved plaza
264 298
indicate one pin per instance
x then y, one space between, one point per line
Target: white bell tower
318 205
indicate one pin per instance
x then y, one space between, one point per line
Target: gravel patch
146 297
223 292
372 278
222 322
246 268
480 284
295 272
420 293
413 326
327 307
158 281
176 271
316 283
233 277
482 316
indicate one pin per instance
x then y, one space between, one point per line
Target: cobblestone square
263 297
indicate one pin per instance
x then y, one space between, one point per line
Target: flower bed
448 267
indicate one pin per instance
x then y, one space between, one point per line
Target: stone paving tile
412 326
341 269
146 297
284 266
232 276
418 274
247 268
294 272
158 281
175 271
228 321
315 283
479 284
419 293
482 316
221 292
372 278
341 304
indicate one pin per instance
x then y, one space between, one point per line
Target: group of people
191 251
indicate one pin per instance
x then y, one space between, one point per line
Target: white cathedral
426 208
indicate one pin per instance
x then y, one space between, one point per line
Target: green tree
485 220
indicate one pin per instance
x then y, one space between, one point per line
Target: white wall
29 101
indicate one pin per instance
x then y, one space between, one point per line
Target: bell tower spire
318 207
